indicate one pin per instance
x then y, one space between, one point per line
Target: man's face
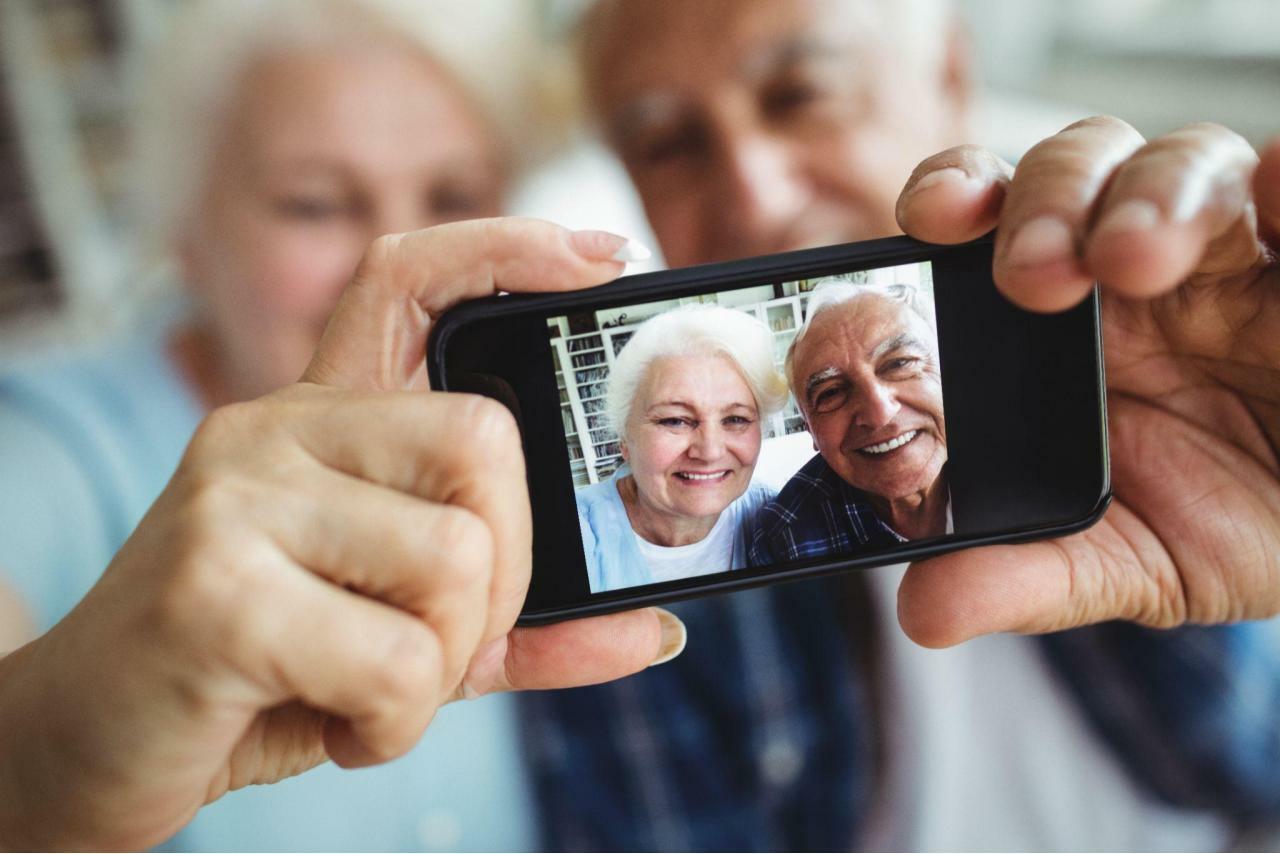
759 126
866 375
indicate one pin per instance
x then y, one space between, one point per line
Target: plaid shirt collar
817 513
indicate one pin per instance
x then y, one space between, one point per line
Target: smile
891 445
703 477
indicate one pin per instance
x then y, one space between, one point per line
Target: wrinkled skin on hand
1181 233
329 565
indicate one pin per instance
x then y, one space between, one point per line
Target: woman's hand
1181 233
328 566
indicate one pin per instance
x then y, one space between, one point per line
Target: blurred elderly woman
276 141
687 396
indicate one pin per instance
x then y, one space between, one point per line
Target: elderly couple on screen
688 396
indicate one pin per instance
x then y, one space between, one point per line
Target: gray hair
696 330
189 79
840 290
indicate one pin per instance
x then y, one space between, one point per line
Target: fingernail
946 175
674 636
1041 241
1133 215
606 246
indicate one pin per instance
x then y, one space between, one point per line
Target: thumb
575 653
376 337
1266 193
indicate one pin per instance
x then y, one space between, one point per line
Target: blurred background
68 270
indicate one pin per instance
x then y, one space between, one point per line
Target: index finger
1048 207
377 335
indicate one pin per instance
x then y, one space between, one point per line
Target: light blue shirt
86 445
613 556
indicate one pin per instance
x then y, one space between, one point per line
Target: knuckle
380 255
407 671
222 427
209 602
464 543
487 438
1105 124
491 424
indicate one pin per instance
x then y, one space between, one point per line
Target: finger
1115 570
574 653
456 449
954 196
1047 209
377 335
1180 205
432 560
1266 193
377 668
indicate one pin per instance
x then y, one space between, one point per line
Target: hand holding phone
329 565
666 458
1182 233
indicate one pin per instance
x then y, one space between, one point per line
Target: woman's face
693 436
319 154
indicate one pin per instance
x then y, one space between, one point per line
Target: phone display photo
700 430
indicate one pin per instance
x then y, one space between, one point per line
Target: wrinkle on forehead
834 322
621 40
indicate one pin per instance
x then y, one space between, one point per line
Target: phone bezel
668 284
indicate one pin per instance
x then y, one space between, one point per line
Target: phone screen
749 426
724 426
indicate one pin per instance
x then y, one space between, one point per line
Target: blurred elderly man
801 717
864 371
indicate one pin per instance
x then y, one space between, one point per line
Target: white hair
189 79
840 290
696 330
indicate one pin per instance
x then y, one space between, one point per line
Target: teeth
688 475
885 447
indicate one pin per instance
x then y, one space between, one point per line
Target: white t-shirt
988 750
713 553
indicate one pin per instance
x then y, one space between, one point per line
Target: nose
761 190
708 442
877 406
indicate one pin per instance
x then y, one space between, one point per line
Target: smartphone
707 429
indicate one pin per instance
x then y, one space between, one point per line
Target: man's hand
328 566
1181 233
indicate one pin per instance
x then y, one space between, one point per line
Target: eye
668 145
674 422
900 366
311 208
789 96
457 202
738 421
830 399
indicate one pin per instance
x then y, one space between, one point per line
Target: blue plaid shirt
816 514
763 734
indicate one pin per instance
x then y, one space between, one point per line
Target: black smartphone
718 427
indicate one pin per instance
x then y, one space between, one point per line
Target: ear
813 440
622 448
957 76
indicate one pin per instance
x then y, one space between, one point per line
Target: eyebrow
792 51
817 378
683 405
